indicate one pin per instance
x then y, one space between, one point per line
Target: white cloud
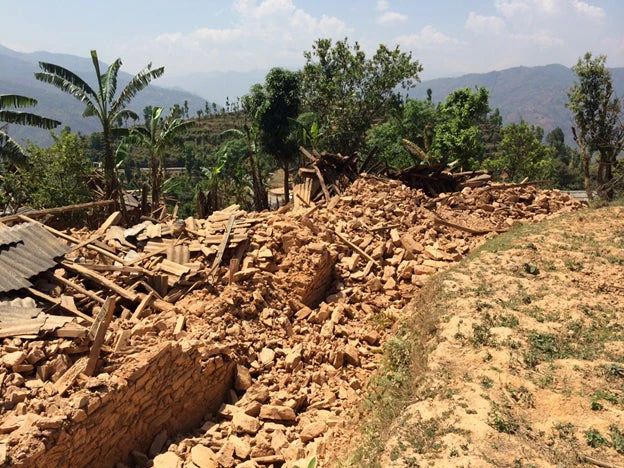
591 11
540 39
382 5
484 24
510 8
391 17
427 38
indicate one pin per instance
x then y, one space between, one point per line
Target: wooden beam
78 288
141 307
70 376
101 280
357 249
98 332
57 302
222 247
58 210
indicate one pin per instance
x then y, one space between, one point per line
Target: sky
448 37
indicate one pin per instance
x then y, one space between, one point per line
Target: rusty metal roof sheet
34 253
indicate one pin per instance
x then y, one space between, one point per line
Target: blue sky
448 37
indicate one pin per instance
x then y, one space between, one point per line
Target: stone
371 337
277 413
203 457
312 431
158 443
167 460
293 358
244 423
266 356
242 448
243 378
352 355
13 359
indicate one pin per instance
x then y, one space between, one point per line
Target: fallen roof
25 251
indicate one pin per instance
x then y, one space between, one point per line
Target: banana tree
156 136
10 150
101 102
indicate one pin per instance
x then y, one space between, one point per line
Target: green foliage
567 169
10 151
594 438
521 154
416 122
57 175
597 116
458 136
101 102
156 135
349 91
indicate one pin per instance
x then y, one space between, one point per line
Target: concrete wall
166 388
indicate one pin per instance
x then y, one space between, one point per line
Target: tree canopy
349 92
597 116
101 101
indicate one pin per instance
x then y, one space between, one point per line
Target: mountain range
534 94
537 95
17 77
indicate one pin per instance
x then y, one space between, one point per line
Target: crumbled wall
167 387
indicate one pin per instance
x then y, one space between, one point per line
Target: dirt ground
526 365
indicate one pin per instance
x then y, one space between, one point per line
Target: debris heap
301 299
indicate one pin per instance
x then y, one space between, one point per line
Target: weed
565 431
594 438
486 382
617 438
573 265
502 420
481 335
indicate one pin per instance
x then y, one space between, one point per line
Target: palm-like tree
101 101
156 135
10 150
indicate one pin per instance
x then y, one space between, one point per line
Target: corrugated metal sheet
7 236
33 254
18 310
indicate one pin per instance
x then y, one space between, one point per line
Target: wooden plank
98 331
179 326
57 302
78 288
322 182
105 282
222 247
357 249
173 268
58 210
141 307
68 378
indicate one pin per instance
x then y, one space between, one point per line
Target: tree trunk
155 182
285 163
110 179
585 158
260 196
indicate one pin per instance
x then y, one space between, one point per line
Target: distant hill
17 77
216 86
535 94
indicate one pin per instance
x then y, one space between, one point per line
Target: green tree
567 161
101 101
10 150
58 175
458 136
350 92
156 135
597 117
277 119
521 153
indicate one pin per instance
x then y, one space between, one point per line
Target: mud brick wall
167 388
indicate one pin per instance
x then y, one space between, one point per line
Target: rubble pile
301 299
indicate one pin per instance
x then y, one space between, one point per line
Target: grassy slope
513 358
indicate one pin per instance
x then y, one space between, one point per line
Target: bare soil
526 366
